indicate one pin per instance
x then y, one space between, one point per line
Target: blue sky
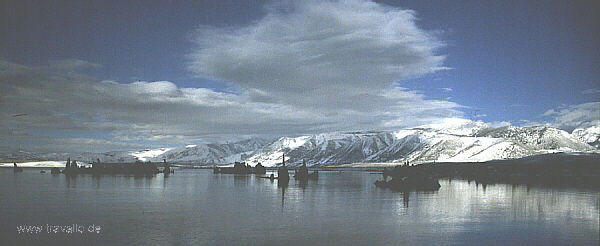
513 60
493 61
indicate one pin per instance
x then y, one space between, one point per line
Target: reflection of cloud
446 89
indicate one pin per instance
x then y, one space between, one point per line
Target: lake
197 207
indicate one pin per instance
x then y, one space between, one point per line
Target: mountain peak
456 126
454 140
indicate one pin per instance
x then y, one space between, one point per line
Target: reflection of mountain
453 141
463 199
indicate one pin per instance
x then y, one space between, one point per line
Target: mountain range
456 140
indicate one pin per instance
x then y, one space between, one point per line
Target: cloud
306 67
446 89
591 91
496 124
72 64
574 116
331 56
63 104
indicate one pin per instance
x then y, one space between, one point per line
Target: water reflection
198 207
463 200
302 184
283 188
96 180
240 180
405 198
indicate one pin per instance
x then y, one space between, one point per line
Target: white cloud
496 124
330 56
574 116
591 91
72 64
306 67
446 89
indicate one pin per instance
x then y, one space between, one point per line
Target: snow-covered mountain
589 135
214 153
455 140
458 143
115 156
204 154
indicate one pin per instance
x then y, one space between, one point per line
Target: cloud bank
342 61
306 67
319 54
575 116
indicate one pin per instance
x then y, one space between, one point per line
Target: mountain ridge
456 140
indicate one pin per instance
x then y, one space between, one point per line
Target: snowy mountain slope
589 135
202 154
454 140
116 156
214 153
146 155
462 142
43 164
455 126
539 138
327 148
414 146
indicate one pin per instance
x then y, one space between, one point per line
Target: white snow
145 155
589 135
43 164
293 143
268 159
403 133
457 126
454 140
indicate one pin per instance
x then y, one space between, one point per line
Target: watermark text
69 229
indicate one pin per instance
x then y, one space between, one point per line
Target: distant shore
555 157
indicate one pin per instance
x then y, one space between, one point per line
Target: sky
120 75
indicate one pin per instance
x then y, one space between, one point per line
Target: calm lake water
197 207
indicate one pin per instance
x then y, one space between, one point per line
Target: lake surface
197 207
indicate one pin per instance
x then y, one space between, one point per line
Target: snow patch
403 133
457 126
145 155
293 143
43 164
